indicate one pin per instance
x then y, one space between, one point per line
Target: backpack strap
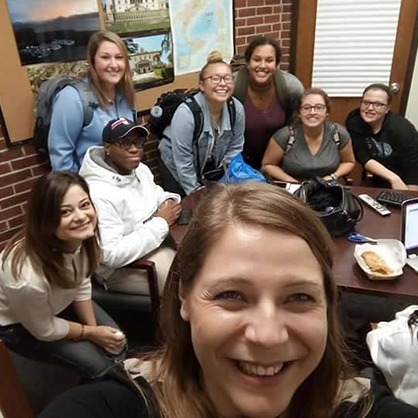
198 125
241 84
284 96
88 99
335 135
232 110
291 140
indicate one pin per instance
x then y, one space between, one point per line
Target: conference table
348 275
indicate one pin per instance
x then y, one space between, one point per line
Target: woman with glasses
135 213
268 94
312 146
185 159
385 143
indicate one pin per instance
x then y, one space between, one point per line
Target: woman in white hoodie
134 213
394 349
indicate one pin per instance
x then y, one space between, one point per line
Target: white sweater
394 349
34 302
125 207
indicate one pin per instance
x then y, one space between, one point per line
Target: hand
397 183
111 339
169 210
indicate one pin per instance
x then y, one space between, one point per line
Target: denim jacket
179 153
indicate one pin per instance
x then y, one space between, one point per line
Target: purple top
260 125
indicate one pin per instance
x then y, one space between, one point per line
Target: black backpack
162 112
44 105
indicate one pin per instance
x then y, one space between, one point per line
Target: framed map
200 27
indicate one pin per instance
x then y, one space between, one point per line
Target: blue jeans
91 360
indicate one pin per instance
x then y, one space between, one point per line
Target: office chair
111 299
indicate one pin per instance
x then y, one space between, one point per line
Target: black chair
112 300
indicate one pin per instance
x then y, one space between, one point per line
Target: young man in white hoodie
134 213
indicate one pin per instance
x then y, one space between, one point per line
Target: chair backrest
13 400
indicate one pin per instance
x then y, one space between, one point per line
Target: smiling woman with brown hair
249 321
312 146
46 311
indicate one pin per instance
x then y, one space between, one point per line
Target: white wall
412 106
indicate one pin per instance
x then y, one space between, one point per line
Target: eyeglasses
216 79
308 108
375 105
126 143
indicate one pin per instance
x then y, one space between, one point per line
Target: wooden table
347 273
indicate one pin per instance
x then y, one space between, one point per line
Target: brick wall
20 165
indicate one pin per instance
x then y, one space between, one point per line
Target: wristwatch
333 176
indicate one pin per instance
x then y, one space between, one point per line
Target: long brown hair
175 378
126 84
38 242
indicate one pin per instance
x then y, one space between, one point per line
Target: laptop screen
411 226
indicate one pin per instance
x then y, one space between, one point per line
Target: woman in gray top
312 147
183 159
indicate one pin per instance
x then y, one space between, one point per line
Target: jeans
88 358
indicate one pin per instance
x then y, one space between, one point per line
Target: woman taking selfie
269 96
185 159
312 147
249 330
109 83
46 311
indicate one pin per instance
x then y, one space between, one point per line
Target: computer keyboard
392 198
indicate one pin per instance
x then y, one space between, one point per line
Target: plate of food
381 261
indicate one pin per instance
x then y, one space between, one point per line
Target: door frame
303 39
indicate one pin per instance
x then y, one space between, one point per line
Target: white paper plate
391 250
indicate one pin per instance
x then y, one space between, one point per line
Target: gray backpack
45 102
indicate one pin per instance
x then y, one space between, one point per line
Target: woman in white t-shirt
46 311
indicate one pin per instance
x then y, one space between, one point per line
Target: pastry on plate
376 264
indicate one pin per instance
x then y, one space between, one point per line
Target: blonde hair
215 57
125 85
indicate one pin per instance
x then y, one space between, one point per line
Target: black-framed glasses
374 105
126 143
318 108
216 79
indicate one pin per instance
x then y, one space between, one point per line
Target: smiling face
309 115
258 320
78 218
262 64
110 64
371 108
125 156
216 92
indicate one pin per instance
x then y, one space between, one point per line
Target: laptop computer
410 231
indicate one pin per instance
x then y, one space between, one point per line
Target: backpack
292 137
45 102
163 111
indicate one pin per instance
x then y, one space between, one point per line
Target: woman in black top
250 324
385 143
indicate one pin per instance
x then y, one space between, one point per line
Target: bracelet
80 337
333 176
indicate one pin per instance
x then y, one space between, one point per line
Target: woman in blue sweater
109 78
